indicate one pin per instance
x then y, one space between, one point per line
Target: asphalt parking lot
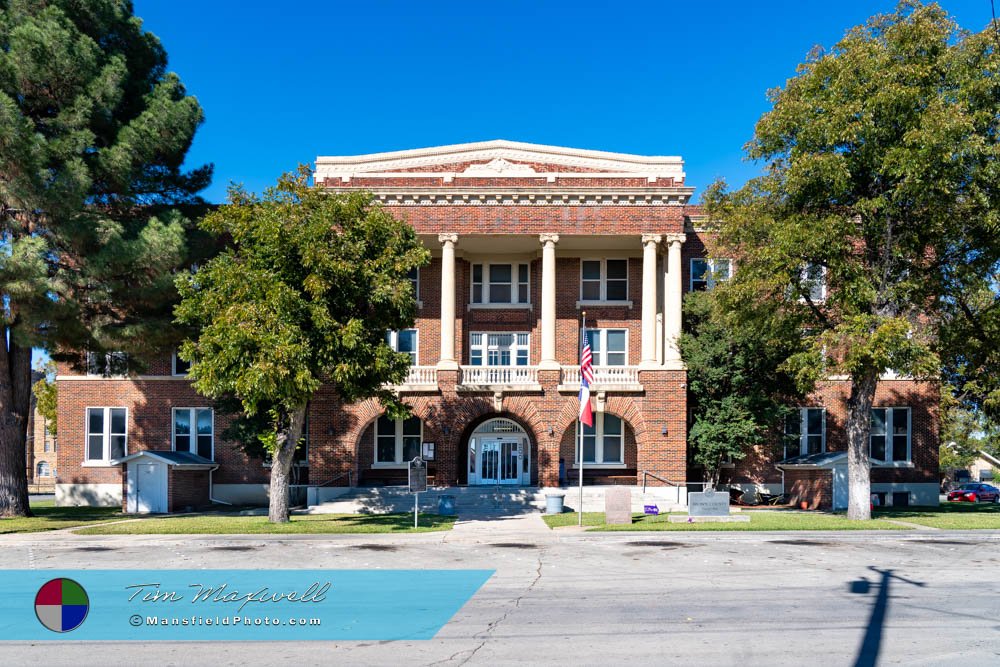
586 599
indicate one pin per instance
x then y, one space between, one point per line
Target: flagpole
579 423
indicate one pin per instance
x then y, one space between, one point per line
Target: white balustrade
604 376
422 375
499 375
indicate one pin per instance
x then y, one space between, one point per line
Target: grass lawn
949 516
49 517
257 525
761 520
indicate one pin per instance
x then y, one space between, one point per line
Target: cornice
670 196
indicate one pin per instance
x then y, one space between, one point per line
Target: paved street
586 599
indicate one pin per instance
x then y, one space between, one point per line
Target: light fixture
664 431
552 431
446 430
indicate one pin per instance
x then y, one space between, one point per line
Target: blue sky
281 83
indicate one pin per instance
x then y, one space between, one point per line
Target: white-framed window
813 281
499 349
604 280
194 431
414 277
397 441
107 364
500 283
301 455
890 434
706 273
178 366
609 346
805 432
43 470
107 434
604 442
404 340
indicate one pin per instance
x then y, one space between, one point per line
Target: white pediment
499 158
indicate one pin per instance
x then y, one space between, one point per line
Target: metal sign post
417 480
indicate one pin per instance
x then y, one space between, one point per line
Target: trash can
554 503
446 505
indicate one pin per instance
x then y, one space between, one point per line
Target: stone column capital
546 239
448 238
676 238
651 238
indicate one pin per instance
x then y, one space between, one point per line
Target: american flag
586 379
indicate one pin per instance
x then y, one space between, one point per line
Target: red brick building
524 240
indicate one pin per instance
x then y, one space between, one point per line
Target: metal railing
349 475
499 375
607 376
646 473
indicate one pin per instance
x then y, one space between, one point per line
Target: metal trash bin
554 503
446 505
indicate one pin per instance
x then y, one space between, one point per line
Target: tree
881 173
303 295
736 390
47 397
93 134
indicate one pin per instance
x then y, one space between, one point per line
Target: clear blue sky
281 83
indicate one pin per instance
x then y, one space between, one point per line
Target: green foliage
47 397
881 168
93 135
736 390
303 295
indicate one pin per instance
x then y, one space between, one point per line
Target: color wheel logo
61 605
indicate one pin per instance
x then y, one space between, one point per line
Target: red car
972 492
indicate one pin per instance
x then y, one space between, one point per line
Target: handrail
646 473
349 475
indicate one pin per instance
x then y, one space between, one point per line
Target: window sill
588 466
892 464
297 465
100 464
603 304
499 306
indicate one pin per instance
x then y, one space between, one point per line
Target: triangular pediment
500 158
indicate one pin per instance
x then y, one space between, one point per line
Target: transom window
890 434
404 340
498 349
179 366
500 283
107 434
194 431
604 280
608 346
805 432
397 441
604 442
706 273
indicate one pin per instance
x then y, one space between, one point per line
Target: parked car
971 492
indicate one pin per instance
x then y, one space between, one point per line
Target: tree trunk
859 408
281 464
15 404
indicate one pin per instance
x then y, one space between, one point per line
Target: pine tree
93 134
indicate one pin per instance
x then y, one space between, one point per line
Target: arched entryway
499 452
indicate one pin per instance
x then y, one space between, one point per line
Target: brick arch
620 406
370 410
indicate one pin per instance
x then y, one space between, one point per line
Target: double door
501 461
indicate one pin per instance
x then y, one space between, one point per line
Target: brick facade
497 198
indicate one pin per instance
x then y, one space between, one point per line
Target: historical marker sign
418 475
618 506
708 503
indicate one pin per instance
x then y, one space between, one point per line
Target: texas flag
586 379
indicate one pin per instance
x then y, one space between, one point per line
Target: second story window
604 280
609 346
498 349
179 366
499 283
805 432
705 273
404 340
414 277
813 282
107 363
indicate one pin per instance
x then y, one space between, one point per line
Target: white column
448 360
650 242
672 299
548 360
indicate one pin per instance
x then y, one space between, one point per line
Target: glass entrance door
500 462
